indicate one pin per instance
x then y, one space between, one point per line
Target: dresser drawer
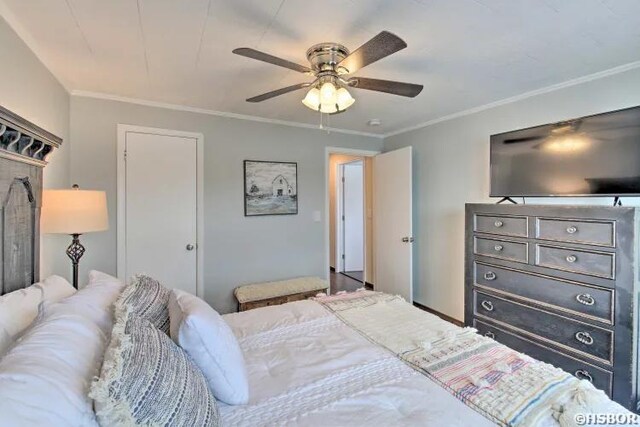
572 335
503 249
591 263
599 377
601 233
502 225
595 303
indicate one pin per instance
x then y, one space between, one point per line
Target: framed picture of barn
270 188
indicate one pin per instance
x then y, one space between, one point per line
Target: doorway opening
351 220
350 239
388 221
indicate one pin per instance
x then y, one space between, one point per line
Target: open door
393 225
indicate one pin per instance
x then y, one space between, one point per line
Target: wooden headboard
24 148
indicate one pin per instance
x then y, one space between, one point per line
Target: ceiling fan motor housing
326 56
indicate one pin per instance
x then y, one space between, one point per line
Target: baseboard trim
440 315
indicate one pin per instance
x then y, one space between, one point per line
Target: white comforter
307 368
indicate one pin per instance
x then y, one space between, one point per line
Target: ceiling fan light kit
328 99
329 64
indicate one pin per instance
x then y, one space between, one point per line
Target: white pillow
45 377
95 300
208 340
18 309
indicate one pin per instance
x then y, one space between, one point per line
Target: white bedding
307 368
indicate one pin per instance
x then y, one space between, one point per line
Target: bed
361 359
307 367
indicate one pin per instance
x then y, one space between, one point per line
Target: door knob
407 239
190 247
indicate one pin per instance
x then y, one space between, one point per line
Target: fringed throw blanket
507 387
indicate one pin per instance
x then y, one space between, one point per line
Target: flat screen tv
591 156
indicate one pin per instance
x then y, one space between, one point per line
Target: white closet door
393 226
161 208
353 212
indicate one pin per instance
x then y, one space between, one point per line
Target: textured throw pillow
206 337
148 299
148 380
19 309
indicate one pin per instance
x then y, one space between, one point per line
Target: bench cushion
261 291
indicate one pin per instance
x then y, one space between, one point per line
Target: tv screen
591 156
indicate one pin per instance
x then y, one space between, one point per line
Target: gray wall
30 90
451 168
236 249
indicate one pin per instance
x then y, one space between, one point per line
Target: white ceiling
466 53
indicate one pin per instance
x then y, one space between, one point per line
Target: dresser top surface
582 211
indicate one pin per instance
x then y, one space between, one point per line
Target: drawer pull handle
498 223
581 374
584 337
487 305
490 275
498 248
572 258
585 299
571 229
490 335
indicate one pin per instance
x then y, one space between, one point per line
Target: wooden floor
340 282
356 275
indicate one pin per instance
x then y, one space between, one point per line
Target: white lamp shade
345 100
312 100
74 211
328 93
328 108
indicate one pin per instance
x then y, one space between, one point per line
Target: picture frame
270 188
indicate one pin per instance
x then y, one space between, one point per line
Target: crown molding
146 103
548 89
27 39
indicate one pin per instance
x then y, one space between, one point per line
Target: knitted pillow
148 380
148 299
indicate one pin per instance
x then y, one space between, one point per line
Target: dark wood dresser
559 283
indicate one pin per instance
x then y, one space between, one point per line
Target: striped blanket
508 387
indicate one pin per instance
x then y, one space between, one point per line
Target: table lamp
74 212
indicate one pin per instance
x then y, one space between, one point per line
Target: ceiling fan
330 64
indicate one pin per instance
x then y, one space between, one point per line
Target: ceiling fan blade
261 56
278 92
396 88
381 46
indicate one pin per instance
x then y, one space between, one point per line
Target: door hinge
343 217
342 256
343 179
125 154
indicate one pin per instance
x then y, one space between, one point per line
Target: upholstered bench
274 293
